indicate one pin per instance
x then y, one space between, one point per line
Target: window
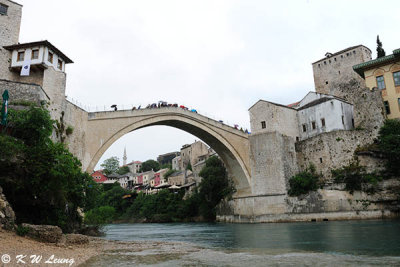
59 64
50 57
396 78
326 82
341 56
3 9
380 82
398 102
304 128
387 107
21 56
35 54
323 122
320 160
313 125
263 125
335 59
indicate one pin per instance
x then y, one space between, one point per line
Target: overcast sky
218 57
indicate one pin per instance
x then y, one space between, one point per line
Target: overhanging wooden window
35 54
21 56
50 57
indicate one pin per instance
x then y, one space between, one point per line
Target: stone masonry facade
337 68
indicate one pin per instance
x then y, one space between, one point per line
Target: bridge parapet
101 115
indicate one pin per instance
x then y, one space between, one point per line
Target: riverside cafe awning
162 186
174 188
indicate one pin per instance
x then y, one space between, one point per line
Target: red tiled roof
293 104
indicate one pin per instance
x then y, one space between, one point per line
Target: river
333 243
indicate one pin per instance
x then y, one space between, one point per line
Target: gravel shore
12 245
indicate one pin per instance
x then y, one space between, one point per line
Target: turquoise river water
333 243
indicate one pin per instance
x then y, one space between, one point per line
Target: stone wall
320 205
331 150
273 162
77 118
23 91
369 112
54 83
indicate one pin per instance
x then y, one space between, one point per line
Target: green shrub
69 130
304 182
22 231
389 144
169 173
354 176
23 103
100 215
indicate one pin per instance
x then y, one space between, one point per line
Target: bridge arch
230 144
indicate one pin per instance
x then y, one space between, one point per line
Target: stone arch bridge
232 145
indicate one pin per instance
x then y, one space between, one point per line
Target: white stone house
177 163
41 54
134 166
315 114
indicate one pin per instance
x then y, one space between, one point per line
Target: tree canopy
123 170
110 165
149 165
379 49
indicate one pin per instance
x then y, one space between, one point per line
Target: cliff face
7 215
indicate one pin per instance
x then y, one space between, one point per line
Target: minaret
124 158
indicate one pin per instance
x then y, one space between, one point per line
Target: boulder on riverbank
7 215
44 233
76 239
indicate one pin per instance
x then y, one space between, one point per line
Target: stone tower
10 21
336 68
124 158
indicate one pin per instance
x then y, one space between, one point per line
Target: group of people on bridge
162 104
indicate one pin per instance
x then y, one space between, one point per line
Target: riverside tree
42 180
214 187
